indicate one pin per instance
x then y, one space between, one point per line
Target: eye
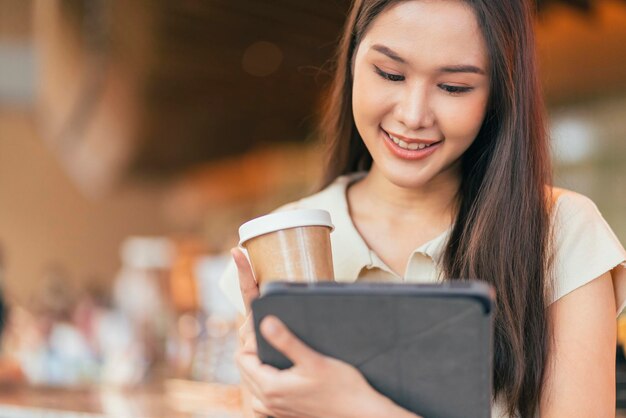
388 76
455 90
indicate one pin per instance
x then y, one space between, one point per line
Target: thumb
279 336
247 283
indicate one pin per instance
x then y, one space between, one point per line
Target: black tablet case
427 347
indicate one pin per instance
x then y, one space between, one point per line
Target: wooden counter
173 399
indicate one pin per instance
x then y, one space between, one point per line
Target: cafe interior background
136 136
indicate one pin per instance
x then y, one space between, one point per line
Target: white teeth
412 146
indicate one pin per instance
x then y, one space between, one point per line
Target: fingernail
270 326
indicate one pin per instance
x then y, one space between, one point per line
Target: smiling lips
410 144
409 149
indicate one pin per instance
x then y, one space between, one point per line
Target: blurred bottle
144 312
183 292
217 343
183 286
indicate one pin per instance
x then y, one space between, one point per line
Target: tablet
428 347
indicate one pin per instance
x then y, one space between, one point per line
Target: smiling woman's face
420 90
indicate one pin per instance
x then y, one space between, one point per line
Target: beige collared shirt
352 259
585 248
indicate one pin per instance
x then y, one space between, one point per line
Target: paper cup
289 246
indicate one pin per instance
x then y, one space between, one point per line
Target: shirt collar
350 252
435 247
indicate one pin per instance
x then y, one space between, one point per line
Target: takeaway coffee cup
292 245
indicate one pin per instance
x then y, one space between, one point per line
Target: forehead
429 33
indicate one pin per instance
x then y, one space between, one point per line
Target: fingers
279 336
260 410
247 283
253 389
248 341
253 406
250 366
254 378
246 329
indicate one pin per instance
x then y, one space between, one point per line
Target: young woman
439 168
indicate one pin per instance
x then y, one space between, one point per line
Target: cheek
368 101
461 120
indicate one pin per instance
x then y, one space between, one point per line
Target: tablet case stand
427 347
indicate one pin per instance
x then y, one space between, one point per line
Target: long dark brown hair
502 229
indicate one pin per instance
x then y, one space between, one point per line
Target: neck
432 203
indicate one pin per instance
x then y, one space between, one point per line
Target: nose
413 109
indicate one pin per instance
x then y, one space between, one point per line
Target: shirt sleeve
586 248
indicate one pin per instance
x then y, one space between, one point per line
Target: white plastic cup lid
283 220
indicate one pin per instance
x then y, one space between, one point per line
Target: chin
407 179
410 184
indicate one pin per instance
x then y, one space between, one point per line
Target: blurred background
135 137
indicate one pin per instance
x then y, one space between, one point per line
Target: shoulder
585 246
330 198
575 216
569 203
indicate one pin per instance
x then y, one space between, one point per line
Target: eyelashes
455 89
388 76
452 90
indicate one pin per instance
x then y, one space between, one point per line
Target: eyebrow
461 68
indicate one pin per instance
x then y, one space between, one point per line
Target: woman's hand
250 291
316 386
247 339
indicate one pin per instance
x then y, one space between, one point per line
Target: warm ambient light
261 59
572 140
